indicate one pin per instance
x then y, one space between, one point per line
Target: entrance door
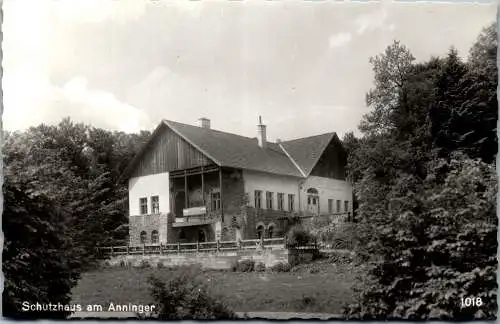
180 203
312 201
201 236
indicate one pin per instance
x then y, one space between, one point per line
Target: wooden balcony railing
182 248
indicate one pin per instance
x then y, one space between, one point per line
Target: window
291 202
258 199
338 206
269 200
182 235
281 201
216 202
346 206
154 237
143 237
155 205
330 206
143 205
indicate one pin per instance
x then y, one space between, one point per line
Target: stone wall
210 260
137 224
267 218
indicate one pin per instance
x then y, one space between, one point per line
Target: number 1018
471 302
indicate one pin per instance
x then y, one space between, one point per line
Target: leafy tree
426 212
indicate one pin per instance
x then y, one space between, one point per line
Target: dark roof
306 151
293 158
236 151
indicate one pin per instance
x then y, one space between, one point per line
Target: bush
298 235
185 296
260 267
243 266
160 265
144 264
281 267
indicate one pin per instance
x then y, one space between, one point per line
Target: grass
324 290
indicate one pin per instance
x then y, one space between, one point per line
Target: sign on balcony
194 211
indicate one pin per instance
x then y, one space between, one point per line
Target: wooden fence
183 248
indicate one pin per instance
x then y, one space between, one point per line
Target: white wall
147 186
328 189
274 183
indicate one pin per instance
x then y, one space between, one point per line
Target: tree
390 71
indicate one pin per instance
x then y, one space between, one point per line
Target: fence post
111 250
178 248
161 248
197 246
218 247
128 249
143 249
285 242
262 240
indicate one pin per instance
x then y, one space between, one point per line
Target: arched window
260 231
154 237
312 191
144 236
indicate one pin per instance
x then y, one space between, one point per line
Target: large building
193 183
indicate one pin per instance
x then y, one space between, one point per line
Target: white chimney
261 131
204 122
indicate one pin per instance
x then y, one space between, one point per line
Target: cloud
47 104
373 21
339 39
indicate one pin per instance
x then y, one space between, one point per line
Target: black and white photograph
249 160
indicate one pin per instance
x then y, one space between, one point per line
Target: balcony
195 216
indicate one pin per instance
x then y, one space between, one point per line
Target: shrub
260 267
281 267
144 264
185 296
298 235
160 265
244 266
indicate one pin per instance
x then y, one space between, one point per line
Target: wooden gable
168 152
332 163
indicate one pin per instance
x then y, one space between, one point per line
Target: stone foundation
221 260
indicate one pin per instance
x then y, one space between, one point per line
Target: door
201 236
180 203
313 204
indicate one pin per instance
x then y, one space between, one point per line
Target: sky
301 65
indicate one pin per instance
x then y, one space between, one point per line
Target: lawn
325 290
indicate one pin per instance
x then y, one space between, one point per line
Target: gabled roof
236 151
291 158
306 151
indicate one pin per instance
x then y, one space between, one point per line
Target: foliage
298 235
281 267
62 199
260 267
426 187
246 265
35 237
184 296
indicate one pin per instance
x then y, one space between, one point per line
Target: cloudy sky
124 65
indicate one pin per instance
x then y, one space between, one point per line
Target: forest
423 173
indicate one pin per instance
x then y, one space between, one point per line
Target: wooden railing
182 248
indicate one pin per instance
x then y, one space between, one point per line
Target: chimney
204 122
261 131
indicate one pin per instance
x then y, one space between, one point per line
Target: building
194 184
